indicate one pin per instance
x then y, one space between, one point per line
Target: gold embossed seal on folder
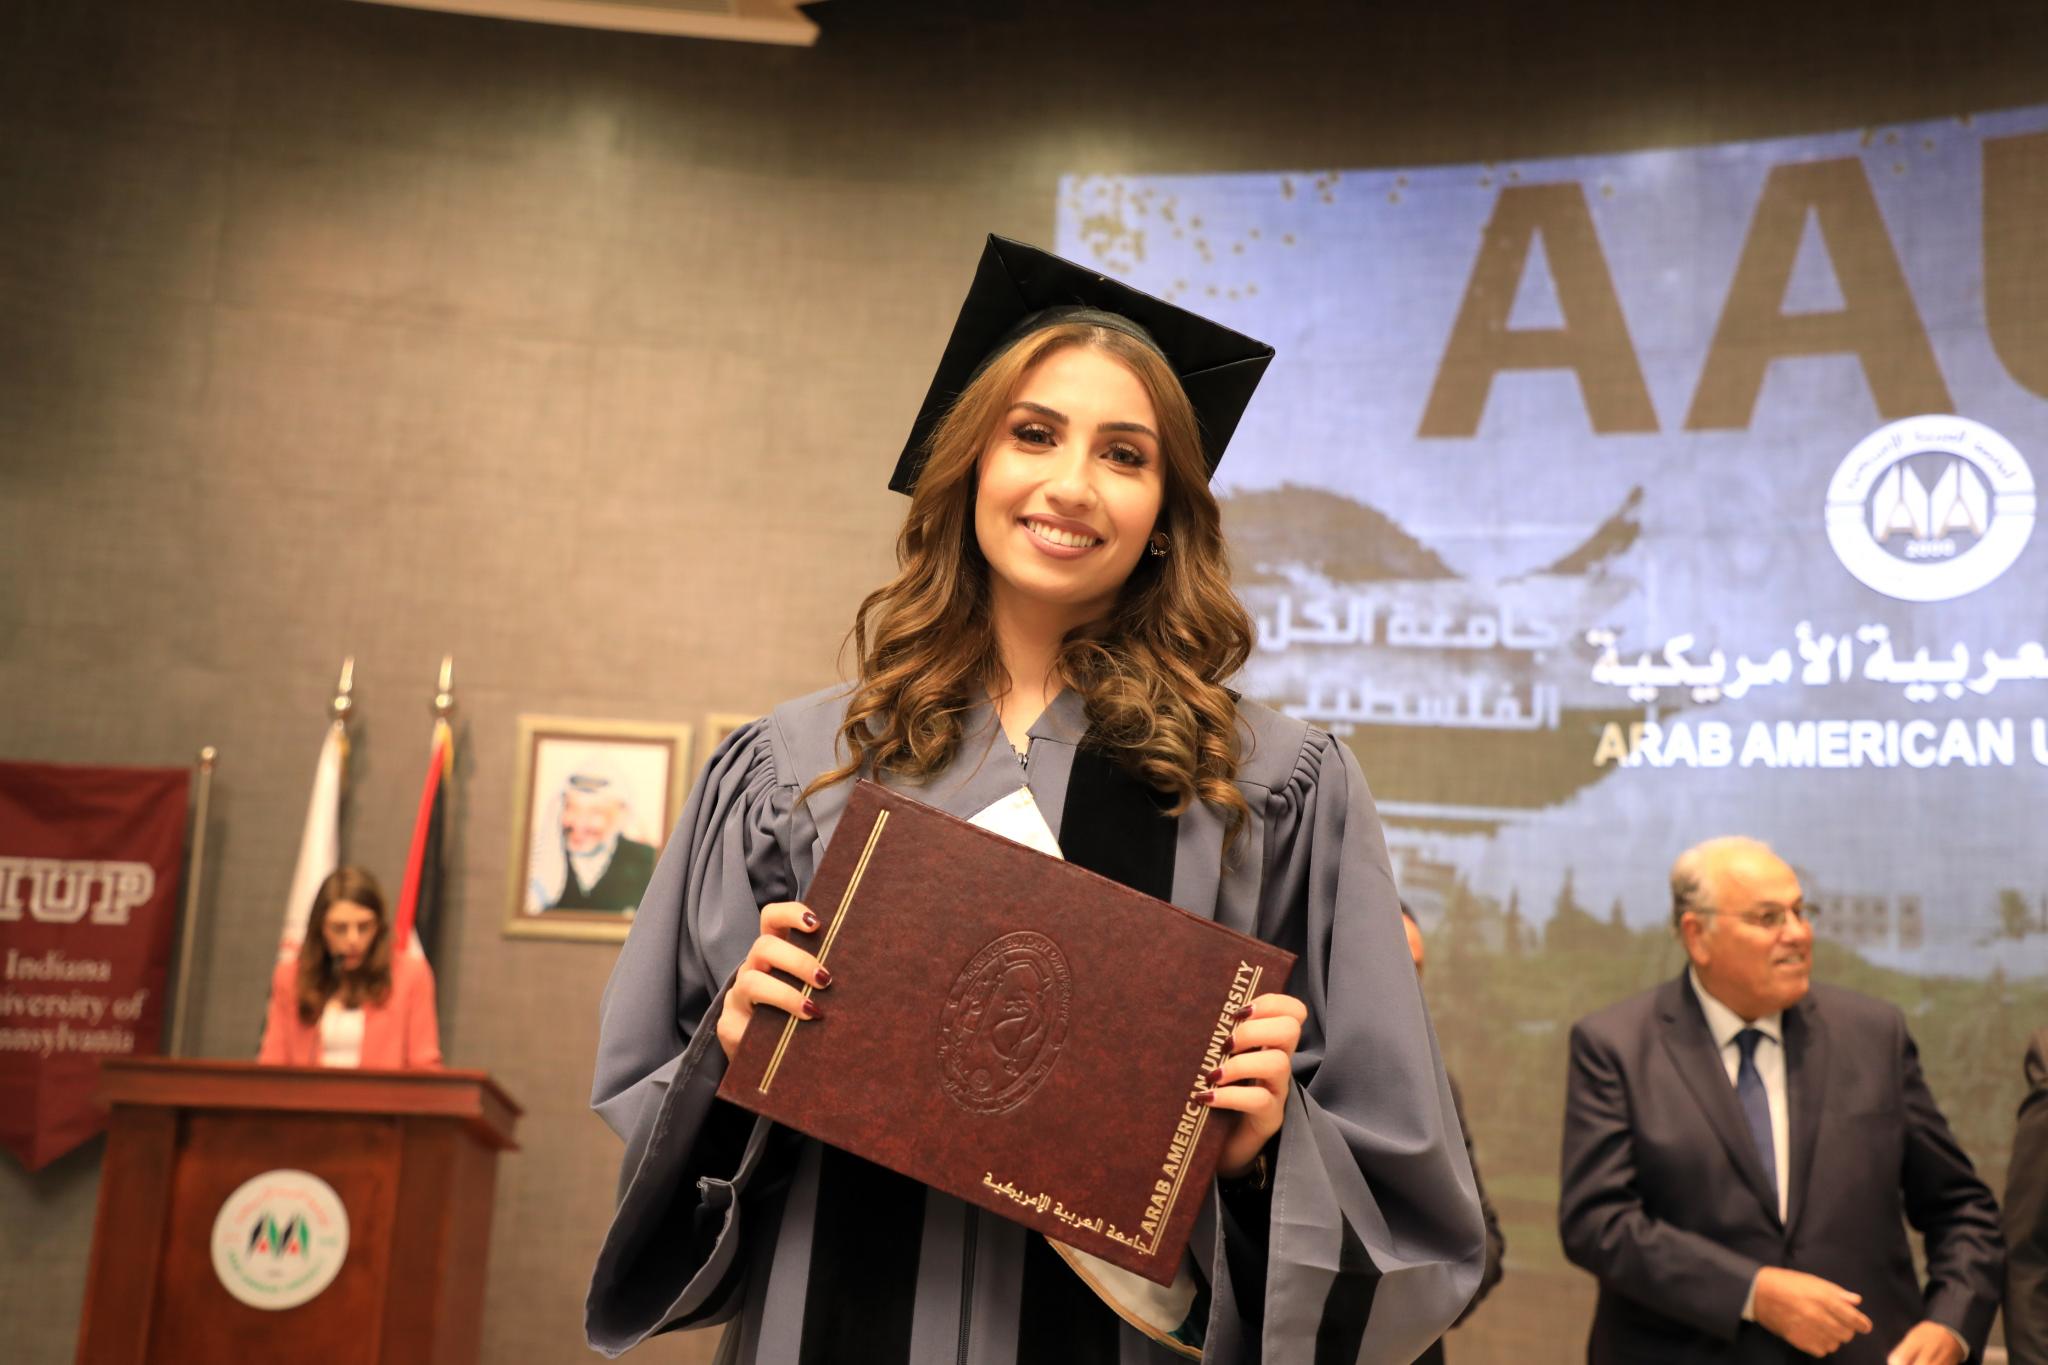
1004 1023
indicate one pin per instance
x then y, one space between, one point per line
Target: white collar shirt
1724 1024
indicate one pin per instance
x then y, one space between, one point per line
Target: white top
341 1034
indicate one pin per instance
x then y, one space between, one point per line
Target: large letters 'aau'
1878 321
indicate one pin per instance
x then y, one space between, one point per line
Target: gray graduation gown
1374 1242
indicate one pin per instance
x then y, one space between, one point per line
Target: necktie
1756 1106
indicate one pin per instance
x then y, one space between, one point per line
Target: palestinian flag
419 898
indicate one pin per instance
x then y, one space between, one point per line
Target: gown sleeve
1374 1240
669 1259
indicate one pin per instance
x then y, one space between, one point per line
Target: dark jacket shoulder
1852 1012
1842 1008
1627 1017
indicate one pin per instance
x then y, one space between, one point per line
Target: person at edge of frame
1744 1148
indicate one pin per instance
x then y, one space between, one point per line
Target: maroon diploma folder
1011 1029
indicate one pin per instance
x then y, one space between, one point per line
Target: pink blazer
401 1033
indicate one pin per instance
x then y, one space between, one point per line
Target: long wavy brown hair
1151 673
321 977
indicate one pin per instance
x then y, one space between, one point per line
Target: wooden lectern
412 1156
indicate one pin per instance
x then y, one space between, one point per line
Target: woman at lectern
1051 659
345 1000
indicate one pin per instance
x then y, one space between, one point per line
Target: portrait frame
717 725
650 762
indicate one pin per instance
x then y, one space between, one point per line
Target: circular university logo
280 1239
1930 508
1005 1022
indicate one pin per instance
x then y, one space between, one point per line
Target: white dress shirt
1724 1024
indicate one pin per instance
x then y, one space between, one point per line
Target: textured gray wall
331 328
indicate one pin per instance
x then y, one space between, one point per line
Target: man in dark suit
1496 1244
2026 1218
1741 1152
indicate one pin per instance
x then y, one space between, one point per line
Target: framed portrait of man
593 801
717 727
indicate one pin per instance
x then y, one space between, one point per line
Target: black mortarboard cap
1017 288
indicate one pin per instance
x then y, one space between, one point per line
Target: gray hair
1693 884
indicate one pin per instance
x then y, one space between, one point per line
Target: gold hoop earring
1158 545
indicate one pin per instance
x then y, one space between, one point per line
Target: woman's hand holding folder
755 984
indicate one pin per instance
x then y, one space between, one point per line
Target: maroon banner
89 861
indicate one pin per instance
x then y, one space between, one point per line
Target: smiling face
348 930
1070 486
1752 970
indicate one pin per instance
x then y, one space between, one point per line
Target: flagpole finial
344 700
444 700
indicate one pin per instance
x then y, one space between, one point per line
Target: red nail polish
1206 1097
1241 1012
810 921
811 1010
1215 1075
824 977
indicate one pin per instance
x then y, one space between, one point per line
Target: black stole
1116 825
870 1221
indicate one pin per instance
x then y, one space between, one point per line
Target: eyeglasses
1772 919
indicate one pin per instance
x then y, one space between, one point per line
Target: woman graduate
1050 659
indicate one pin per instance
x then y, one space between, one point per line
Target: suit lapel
1691 1045
1806 1083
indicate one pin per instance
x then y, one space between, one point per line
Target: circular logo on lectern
280 1239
